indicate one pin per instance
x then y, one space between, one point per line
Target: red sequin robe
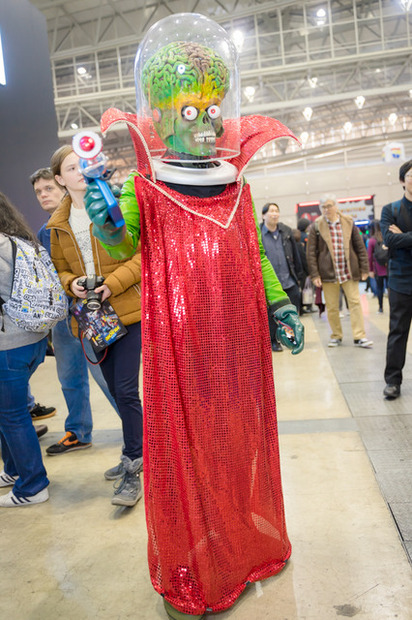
213 495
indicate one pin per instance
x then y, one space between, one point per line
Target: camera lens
93 301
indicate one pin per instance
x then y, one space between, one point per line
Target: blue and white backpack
37 299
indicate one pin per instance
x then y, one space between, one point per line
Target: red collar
255 132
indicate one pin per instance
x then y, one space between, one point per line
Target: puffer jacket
121 276
319 250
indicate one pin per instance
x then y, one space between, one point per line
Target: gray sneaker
128 490
114 473
334 342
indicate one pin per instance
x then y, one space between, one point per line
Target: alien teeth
205 136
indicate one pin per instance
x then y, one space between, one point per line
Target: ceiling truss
290 58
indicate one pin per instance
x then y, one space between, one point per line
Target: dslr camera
89 283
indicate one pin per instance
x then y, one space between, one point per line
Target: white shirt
80 224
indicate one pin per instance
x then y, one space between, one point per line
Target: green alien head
187 90
184 84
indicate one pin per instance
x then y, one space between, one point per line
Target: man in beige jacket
337 258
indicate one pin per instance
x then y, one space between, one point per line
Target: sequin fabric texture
213 494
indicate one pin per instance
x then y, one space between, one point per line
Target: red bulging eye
190 112
156 114
86 143
214 111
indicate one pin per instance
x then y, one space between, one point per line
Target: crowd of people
216 291
330 251
74 254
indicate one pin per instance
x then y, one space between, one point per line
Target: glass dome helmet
187 90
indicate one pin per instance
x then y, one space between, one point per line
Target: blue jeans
19 444
74 379
30 399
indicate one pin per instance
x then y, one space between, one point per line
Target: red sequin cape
213 496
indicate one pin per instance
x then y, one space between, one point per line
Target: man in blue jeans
72 367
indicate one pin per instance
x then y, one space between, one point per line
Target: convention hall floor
347 477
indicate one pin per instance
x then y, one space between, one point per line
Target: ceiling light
320 17
360 100
81 70
304 136
406 4
238 39
250 92
313 82
410 93
392 118
307 113
347 127
74 126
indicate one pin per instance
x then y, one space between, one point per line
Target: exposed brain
183 67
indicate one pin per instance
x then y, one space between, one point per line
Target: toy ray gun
88 146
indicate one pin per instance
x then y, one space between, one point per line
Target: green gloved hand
291 332
96 207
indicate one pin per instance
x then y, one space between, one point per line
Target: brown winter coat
319 250
121 276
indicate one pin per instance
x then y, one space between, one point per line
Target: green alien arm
130 210
273 288
131 214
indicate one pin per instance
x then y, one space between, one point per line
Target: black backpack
381 254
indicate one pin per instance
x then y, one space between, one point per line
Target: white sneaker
365 343
334 342
11 501
6 480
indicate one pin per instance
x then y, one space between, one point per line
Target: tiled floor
346 462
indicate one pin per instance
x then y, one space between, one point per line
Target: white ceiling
289 57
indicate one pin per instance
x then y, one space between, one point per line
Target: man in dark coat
396 226
283 254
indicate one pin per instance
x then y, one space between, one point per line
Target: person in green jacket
213 498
